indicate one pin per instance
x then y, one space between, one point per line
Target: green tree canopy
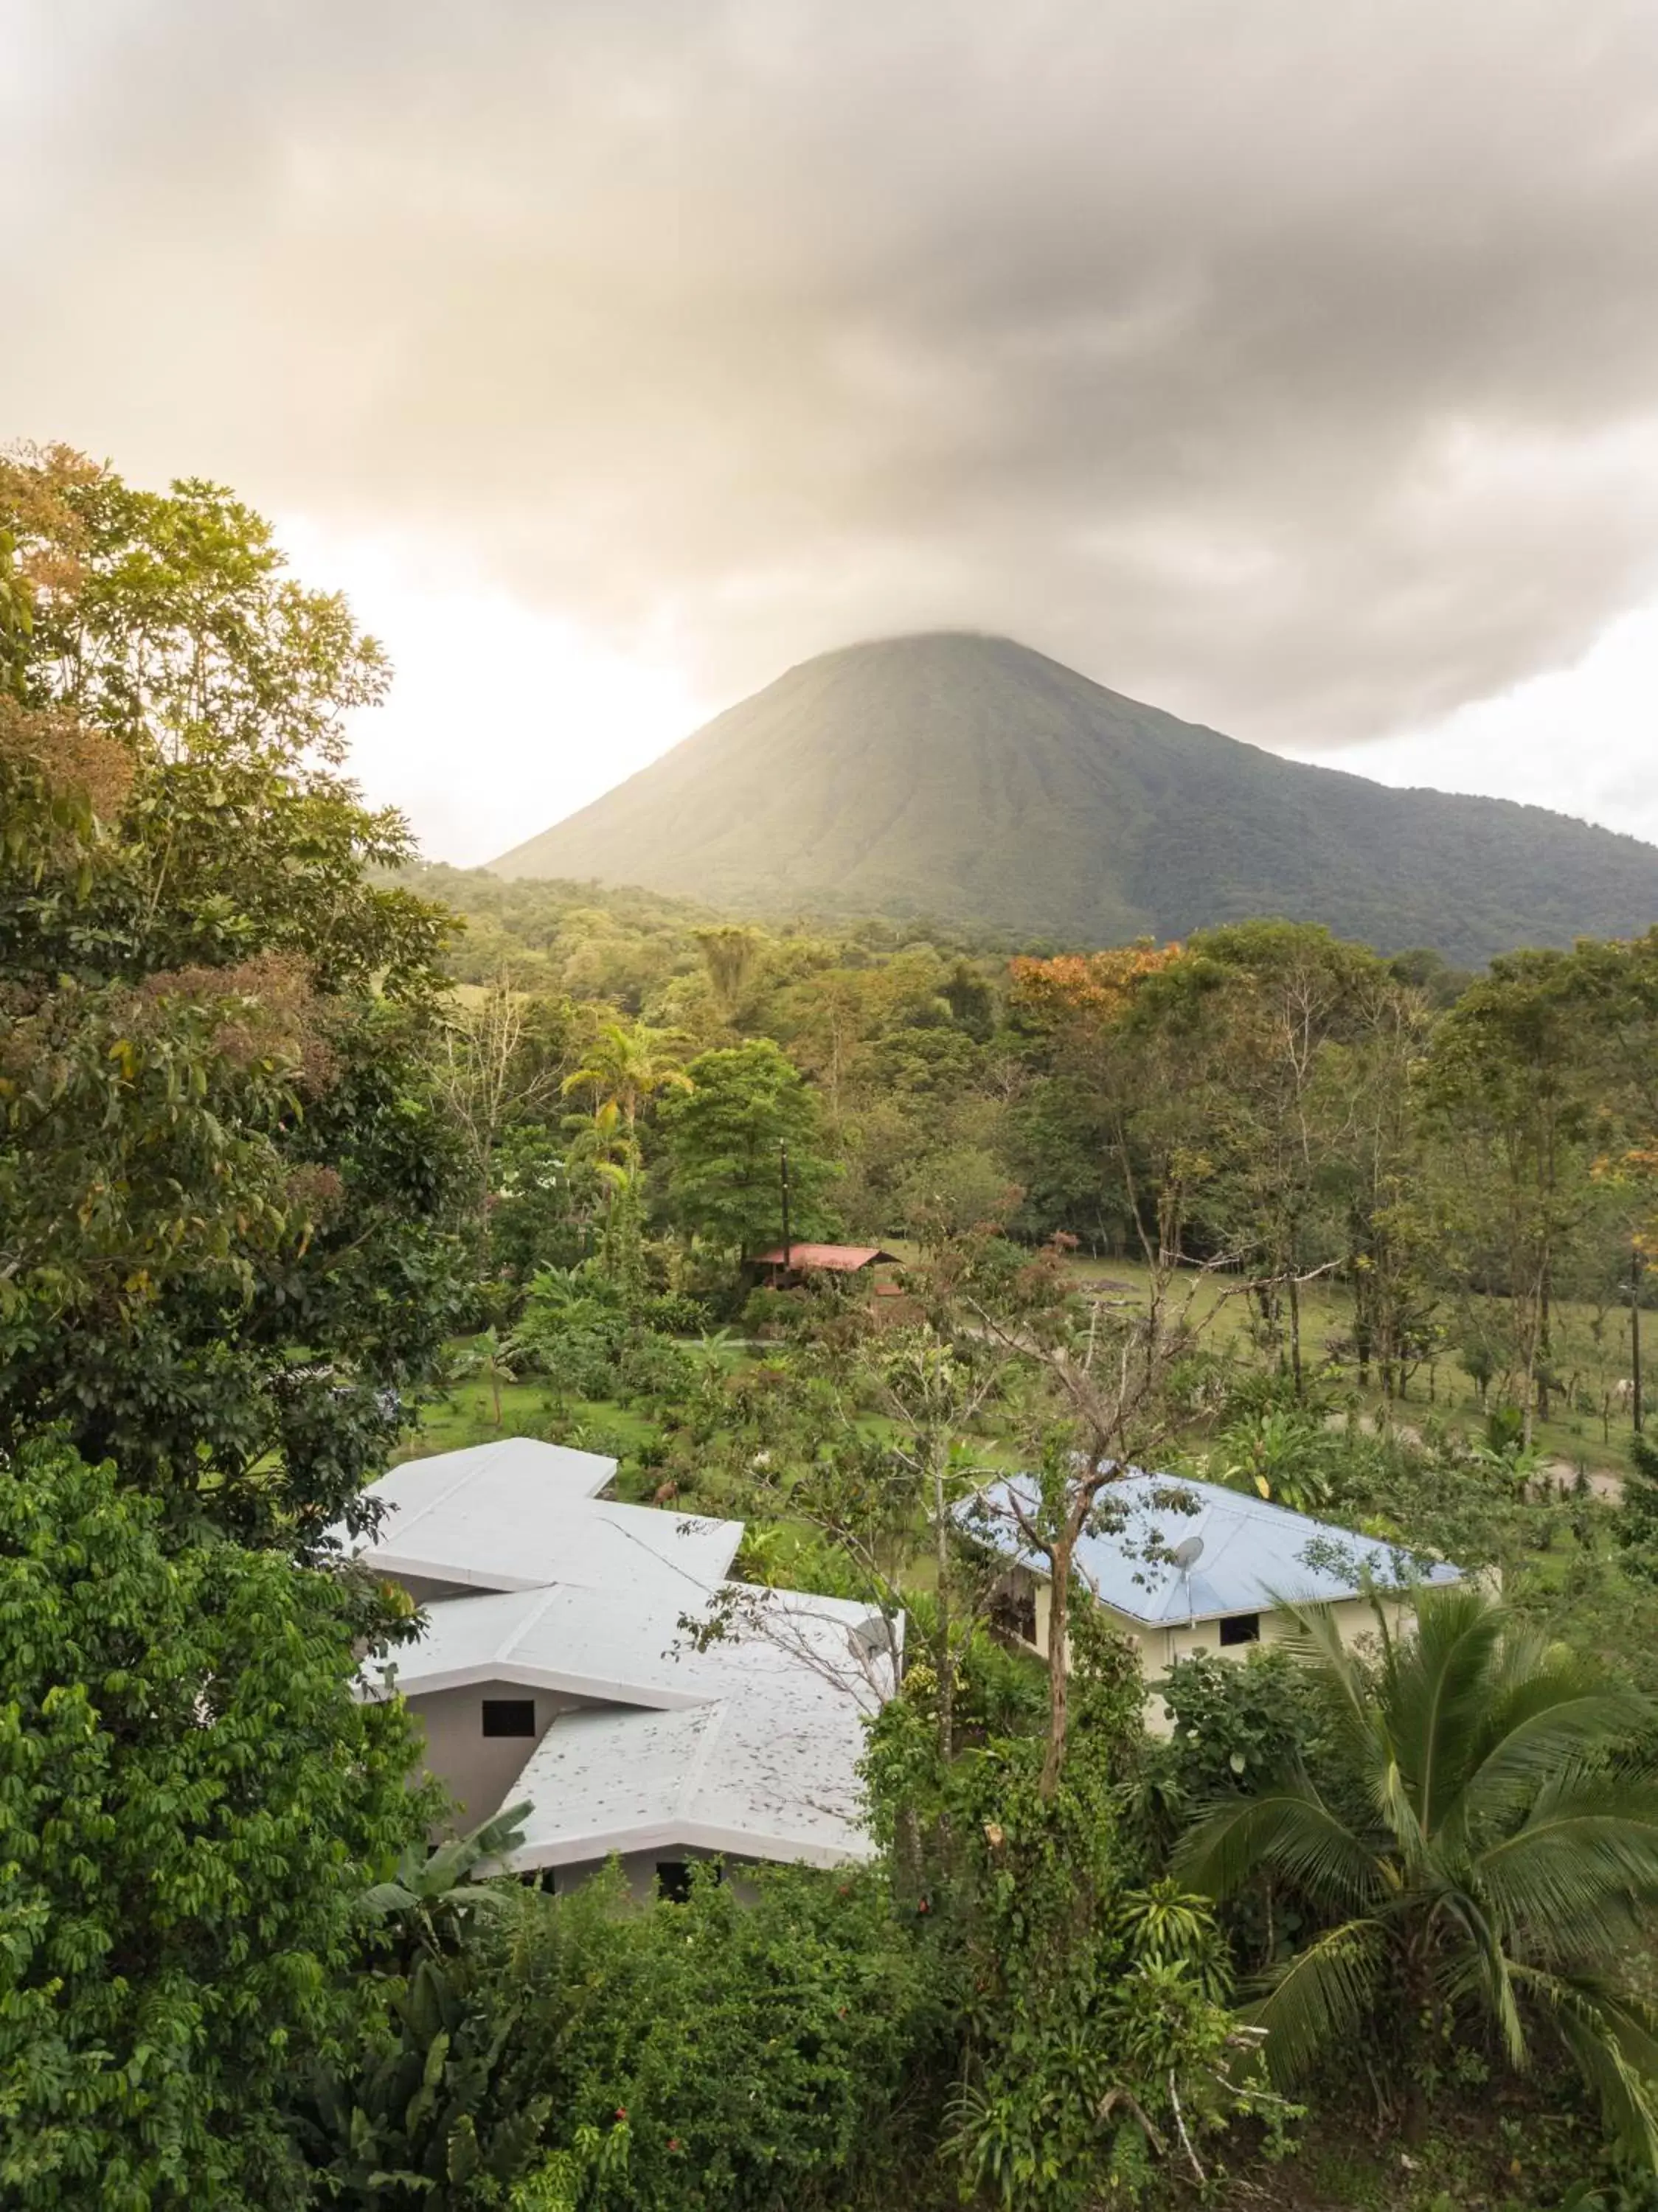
193 1806
223 1178
724 1135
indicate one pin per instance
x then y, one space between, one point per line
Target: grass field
465 1415
1440 1393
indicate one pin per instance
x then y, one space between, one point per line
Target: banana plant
413 2124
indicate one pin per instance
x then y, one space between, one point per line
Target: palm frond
1435 1693
1391 1793
1291 1829
1614 2036
1322 1997
1539 1724
1582 1861
1483 1969
1311 1636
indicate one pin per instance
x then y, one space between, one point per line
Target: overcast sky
1293 366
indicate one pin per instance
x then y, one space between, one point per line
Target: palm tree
627 1065
1497 1853
493 1360
606 1145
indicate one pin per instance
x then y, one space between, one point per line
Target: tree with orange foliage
1083 986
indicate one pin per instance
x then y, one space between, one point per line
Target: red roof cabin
784 1265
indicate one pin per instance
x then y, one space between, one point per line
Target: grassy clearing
465 1415
1594 1347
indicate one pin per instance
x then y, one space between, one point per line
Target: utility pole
788 1246
1635 1334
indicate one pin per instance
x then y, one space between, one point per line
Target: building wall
1159 1648
479 1770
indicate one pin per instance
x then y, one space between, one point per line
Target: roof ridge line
549 1591
666 1558
460 1480
716 1711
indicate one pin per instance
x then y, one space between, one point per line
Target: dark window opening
1242 1628
673 1877
1013 1613
674 1880
509 1717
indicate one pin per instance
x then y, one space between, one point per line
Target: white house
554 1667
1183 1566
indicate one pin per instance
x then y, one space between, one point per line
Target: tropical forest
318 1159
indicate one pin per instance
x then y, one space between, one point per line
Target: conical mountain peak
969 778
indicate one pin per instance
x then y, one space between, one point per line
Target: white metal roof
1253 1554
765 1767
750 1745
580 1643
518 1515
578 1474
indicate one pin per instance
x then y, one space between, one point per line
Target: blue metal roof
1254 1554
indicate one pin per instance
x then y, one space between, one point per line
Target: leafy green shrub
596 1437
656 1367
1094 2042
773 1313
1236 1726
757 2052
1637 1524
672 1313
417 2123
192 1805
1284 1454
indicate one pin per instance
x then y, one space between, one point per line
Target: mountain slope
972 779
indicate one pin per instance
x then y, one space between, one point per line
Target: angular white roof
1251 1555
765 1769
518 1515
579 1643
749 1745
577 1474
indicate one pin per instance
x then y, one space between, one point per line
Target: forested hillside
971 780
311 1159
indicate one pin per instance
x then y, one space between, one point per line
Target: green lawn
465 1415
1441 1392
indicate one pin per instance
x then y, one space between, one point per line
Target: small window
674 1880
1013 1613
509 1717
1240 1628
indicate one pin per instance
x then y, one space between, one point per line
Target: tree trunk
1058 1670
1294 1288
1634 1338
1418 1996
1543 1345
942 1559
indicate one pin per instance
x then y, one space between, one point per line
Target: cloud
1581 739
1293 366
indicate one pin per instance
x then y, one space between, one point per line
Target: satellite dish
1186 1556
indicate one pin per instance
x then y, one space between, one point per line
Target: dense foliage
291 1165
220 1170
193 1804
1480 1841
